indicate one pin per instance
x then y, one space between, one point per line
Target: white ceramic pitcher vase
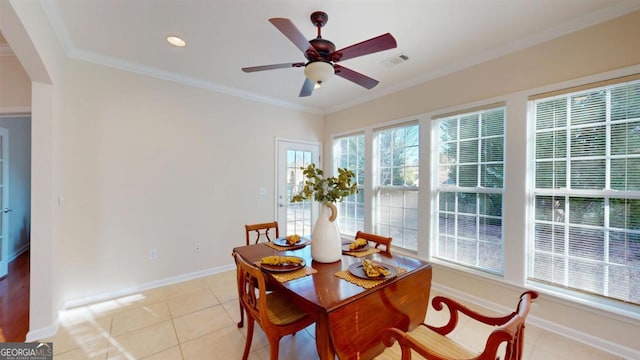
326 246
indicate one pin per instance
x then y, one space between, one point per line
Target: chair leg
247 344
241 323
274 349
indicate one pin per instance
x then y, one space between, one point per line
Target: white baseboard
596 342
144 287
42 333
49 331
19 252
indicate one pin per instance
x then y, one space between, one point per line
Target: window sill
618 310
469 270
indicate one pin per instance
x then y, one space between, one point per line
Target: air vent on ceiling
395 60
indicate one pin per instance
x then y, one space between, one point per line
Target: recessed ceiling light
176 41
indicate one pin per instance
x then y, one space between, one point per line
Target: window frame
567 193
390 228
478 189
361 180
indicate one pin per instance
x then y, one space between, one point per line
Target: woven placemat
365 283
292 275
285 248
361 253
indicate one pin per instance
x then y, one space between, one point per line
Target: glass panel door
295 218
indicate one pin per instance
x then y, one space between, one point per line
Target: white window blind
586 226
349 153
396 205
469 188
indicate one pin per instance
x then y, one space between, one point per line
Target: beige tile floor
197 320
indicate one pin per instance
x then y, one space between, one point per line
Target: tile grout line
175 331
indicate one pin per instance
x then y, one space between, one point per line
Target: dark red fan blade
288 29
271 67
307 87
360 79
379 43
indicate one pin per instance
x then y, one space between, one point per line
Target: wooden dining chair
378 240
432 343
262 231
275 314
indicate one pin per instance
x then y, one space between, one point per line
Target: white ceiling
438 36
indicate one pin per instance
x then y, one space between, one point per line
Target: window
349 153
470 183
397 185
586 205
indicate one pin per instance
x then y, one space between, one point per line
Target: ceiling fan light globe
319 71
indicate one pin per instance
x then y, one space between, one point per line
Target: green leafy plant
326 190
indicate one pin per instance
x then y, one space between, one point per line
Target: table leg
323 339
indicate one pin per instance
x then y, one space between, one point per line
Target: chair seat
281 311
442 345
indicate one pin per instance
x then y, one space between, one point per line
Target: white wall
151 164
15 85
599 49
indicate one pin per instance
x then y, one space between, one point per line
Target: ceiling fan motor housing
323 47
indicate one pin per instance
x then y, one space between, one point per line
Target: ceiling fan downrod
322 46
319 19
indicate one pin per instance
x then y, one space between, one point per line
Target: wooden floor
14 301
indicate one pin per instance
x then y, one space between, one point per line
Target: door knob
6 210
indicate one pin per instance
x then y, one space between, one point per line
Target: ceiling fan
322 55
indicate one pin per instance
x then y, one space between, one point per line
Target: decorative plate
345 247
357 271
284 267
283 242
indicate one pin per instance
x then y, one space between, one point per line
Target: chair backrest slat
379 240
252 289
262 231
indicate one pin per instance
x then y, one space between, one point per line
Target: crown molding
120 64
6 50
15 111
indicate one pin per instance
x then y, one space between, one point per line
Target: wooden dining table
350 317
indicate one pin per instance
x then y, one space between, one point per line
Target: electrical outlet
153 254
196 247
